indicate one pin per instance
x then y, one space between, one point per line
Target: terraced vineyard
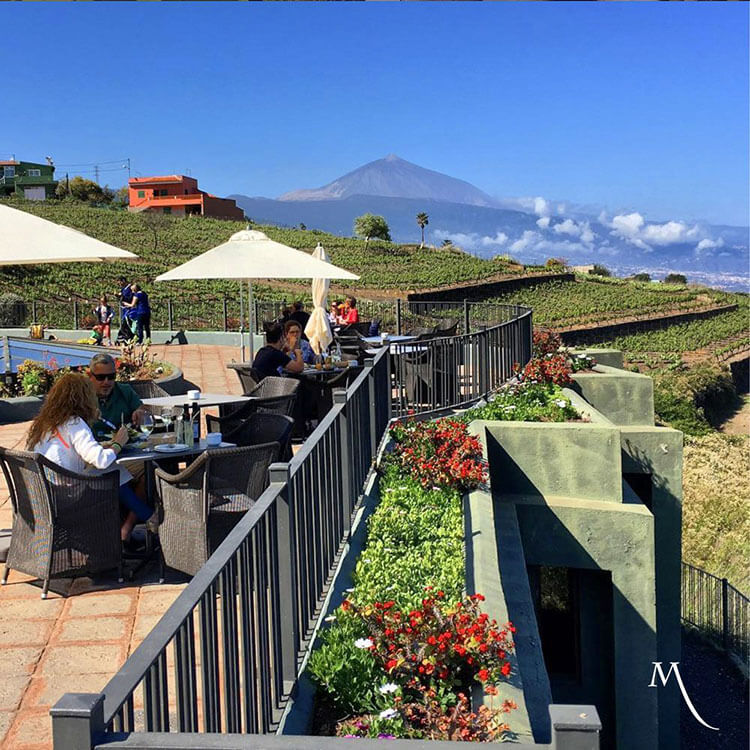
171 241
590 301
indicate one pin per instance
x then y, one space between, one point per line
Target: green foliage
372 225
81 189
675 278
687 400
526 402
642 277
422 221
12 310
598 270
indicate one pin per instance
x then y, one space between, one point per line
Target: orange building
179 196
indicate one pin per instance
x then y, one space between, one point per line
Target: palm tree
422 221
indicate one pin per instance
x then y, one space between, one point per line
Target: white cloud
567 227
633 229
471 240
529 237
707 244
543 223
542 207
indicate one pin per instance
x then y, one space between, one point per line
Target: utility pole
67 183
96 173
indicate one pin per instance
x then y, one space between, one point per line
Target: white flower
562 404
363 643
349 591
389 713
389 687
331 618
582 356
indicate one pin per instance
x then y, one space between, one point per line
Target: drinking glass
147 424
166 417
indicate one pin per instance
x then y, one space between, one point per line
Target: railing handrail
359 414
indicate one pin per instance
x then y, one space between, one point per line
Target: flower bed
406 646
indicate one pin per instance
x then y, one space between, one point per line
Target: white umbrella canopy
318 328
250 254
28 239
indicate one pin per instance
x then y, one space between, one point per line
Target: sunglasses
104 376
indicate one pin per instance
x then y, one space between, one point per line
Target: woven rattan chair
63 523
249 377
273 405
448 327
274 386
149 389
203 503
326 387
265 428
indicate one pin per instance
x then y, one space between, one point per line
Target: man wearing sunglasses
117 401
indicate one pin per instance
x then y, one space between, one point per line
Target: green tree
598 270
675 278
122 196
372 225
156 223
422 221
446 243
86 190
642 277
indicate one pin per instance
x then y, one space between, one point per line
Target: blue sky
628 106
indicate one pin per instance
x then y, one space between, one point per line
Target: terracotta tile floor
82 634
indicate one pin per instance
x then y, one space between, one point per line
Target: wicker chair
265 428
149 389
63 523
249 377
448 327
274 386
325 388
273 405
203 503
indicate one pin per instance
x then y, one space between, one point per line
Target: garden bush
13 310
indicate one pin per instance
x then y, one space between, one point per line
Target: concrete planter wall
625 398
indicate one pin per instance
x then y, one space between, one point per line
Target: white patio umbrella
318 328
28 239
248 255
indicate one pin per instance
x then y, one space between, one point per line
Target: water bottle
187 431
195 420
338 351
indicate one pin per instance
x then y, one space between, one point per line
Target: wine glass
146 425
166 417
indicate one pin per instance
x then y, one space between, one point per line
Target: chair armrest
185 474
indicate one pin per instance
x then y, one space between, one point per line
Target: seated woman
62 433
351 314
294 340
333 315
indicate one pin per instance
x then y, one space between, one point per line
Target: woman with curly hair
62 433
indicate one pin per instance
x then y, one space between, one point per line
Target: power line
94 163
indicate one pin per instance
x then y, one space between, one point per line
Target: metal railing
717 609
227 313
225 656
438 373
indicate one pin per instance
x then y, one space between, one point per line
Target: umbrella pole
242 325
251 317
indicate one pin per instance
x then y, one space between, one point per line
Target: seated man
117 401
271 357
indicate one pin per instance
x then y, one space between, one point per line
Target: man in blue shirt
141 312
126 314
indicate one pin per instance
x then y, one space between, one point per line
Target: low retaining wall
487 290
604 331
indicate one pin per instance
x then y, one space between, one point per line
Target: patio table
206 399
392 339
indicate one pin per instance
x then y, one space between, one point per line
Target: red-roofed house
179 196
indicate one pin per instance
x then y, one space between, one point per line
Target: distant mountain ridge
529 229
393 177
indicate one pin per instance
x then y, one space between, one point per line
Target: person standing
142 313
104 314
125 294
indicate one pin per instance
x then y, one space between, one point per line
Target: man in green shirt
118 402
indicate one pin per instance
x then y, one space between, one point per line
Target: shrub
13 310
526 402
437 453
545 342
675 278
556 264
642 277
598 270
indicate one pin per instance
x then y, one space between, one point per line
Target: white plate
170 447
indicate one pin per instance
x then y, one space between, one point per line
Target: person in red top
351 314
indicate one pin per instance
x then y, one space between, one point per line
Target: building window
167 209
34 172
9 171
141 193
555 594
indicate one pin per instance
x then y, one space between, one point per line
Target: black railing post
372 395
348 496
170 324
398 316
76 720
467 319
286 575
725 613
224 306
33 311
75 314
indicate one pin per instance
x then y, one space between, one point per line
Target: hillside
173 241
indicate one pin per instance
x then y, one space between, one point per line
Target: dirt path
739 422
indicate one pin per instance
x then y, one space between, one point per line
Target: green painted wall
625 398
